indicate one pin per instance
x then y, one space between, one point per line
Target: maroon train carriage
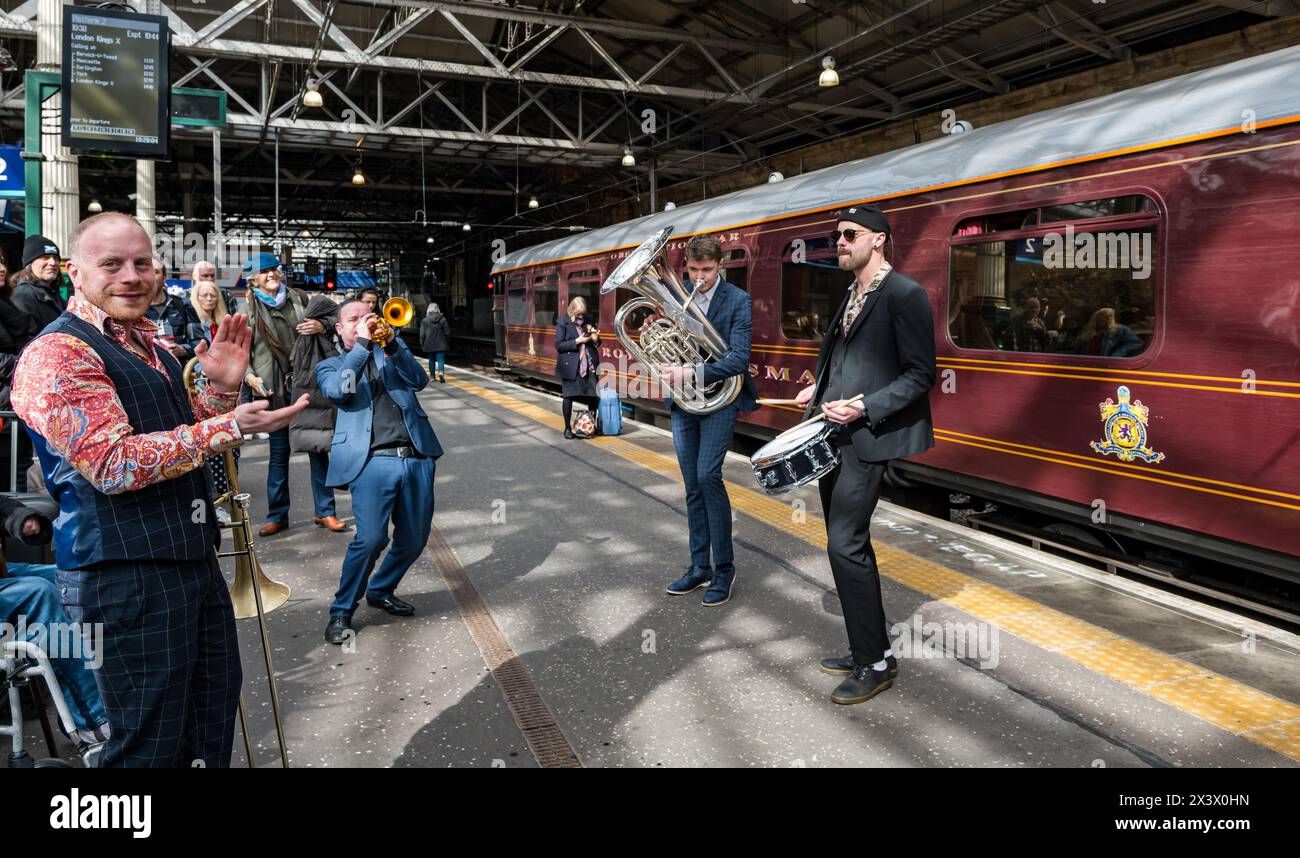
1116 292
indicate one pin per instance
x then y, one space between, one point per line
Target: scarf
584 352
275 303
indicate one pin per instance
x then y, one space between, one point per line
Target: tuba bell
681 335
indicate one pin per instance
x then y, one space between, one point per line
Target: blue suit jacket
731 314
343 381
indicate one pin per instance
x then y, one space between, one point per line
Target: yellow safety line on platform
1230 705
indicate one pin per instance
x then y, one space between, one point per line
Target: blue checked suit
702 441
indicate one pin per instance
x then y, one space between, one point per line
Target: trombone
252 594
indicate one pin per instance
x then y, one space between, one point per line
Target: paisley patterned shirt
65 395
860 296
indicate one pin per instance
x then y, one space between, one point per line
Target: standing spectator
17 329
312 431
177 326
276 315
36 289
370 297
575 344
435 339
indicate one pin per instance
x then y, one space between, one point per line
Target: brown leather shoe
271 528
330 521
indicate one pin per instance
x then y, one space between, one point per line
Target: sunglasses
850 235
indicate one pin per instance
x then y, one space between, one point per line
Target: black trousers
170 675
849 496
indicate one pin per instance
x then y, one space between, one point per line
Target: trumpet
681 335
396 313
253 594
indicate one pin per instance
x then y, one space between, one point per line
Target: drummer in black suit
880 344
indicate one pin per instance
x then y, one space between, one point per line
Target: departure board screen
116 82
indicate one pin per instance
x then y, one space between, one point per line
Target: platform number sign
12 173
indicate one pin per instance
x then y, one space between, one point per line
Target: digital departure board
116 82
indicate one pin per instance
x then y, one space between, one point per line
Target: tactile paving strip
1261 718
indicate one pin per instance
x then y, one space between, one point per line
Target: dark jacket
568 350
1119 341
731 314
41 301
890 357
177 319
435 334
17 329
13 512
312 431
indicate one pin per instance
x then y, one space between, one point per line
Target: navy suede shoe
694 579
861 685
719 591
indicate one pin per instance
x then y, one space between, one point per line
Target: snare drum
796 458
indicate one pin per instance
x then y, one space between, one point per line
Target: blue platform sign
13 173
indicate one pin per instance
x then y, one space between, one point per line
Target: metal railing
13 424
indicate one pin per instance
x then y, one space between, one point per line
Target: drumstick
778 402
822 414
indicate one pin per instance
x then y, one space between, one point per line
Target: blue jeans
277 480
322 494
387 488
440 359
30 591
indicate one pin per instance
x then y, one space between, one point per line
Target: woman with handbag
577 361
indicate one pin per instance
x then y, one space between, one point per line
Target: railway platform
543 635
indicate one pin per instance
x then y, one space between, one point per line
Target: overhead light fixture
306 233
829 77
94 207
358 177
775 176
669 206
429 240
465 227
532 202
628 159
312 97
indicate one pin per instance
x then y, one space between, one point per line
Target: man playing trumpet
384 451
124 445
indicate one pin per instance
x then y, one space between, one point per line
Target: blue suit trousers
702 443
388 488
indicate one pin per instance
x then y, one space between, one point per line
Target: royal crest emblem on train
1126 430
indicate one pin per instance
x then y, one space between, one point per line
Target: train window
1063 290
589 291
812 286
546 299
516 306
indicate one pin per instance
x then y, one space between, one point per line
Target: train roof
1200 104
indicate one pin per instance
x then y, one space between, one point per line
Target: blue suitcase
611 415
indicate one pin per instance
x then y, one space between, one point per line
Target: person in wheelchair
28 591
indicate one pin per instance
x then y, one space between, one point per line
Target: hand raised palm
225 361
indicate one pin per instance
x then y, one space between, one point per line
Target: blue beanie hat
260 262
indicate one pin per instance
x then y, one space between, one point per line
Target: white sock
889 653
880 665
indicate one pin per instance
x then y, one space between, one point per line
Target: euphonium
681 335
396 313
